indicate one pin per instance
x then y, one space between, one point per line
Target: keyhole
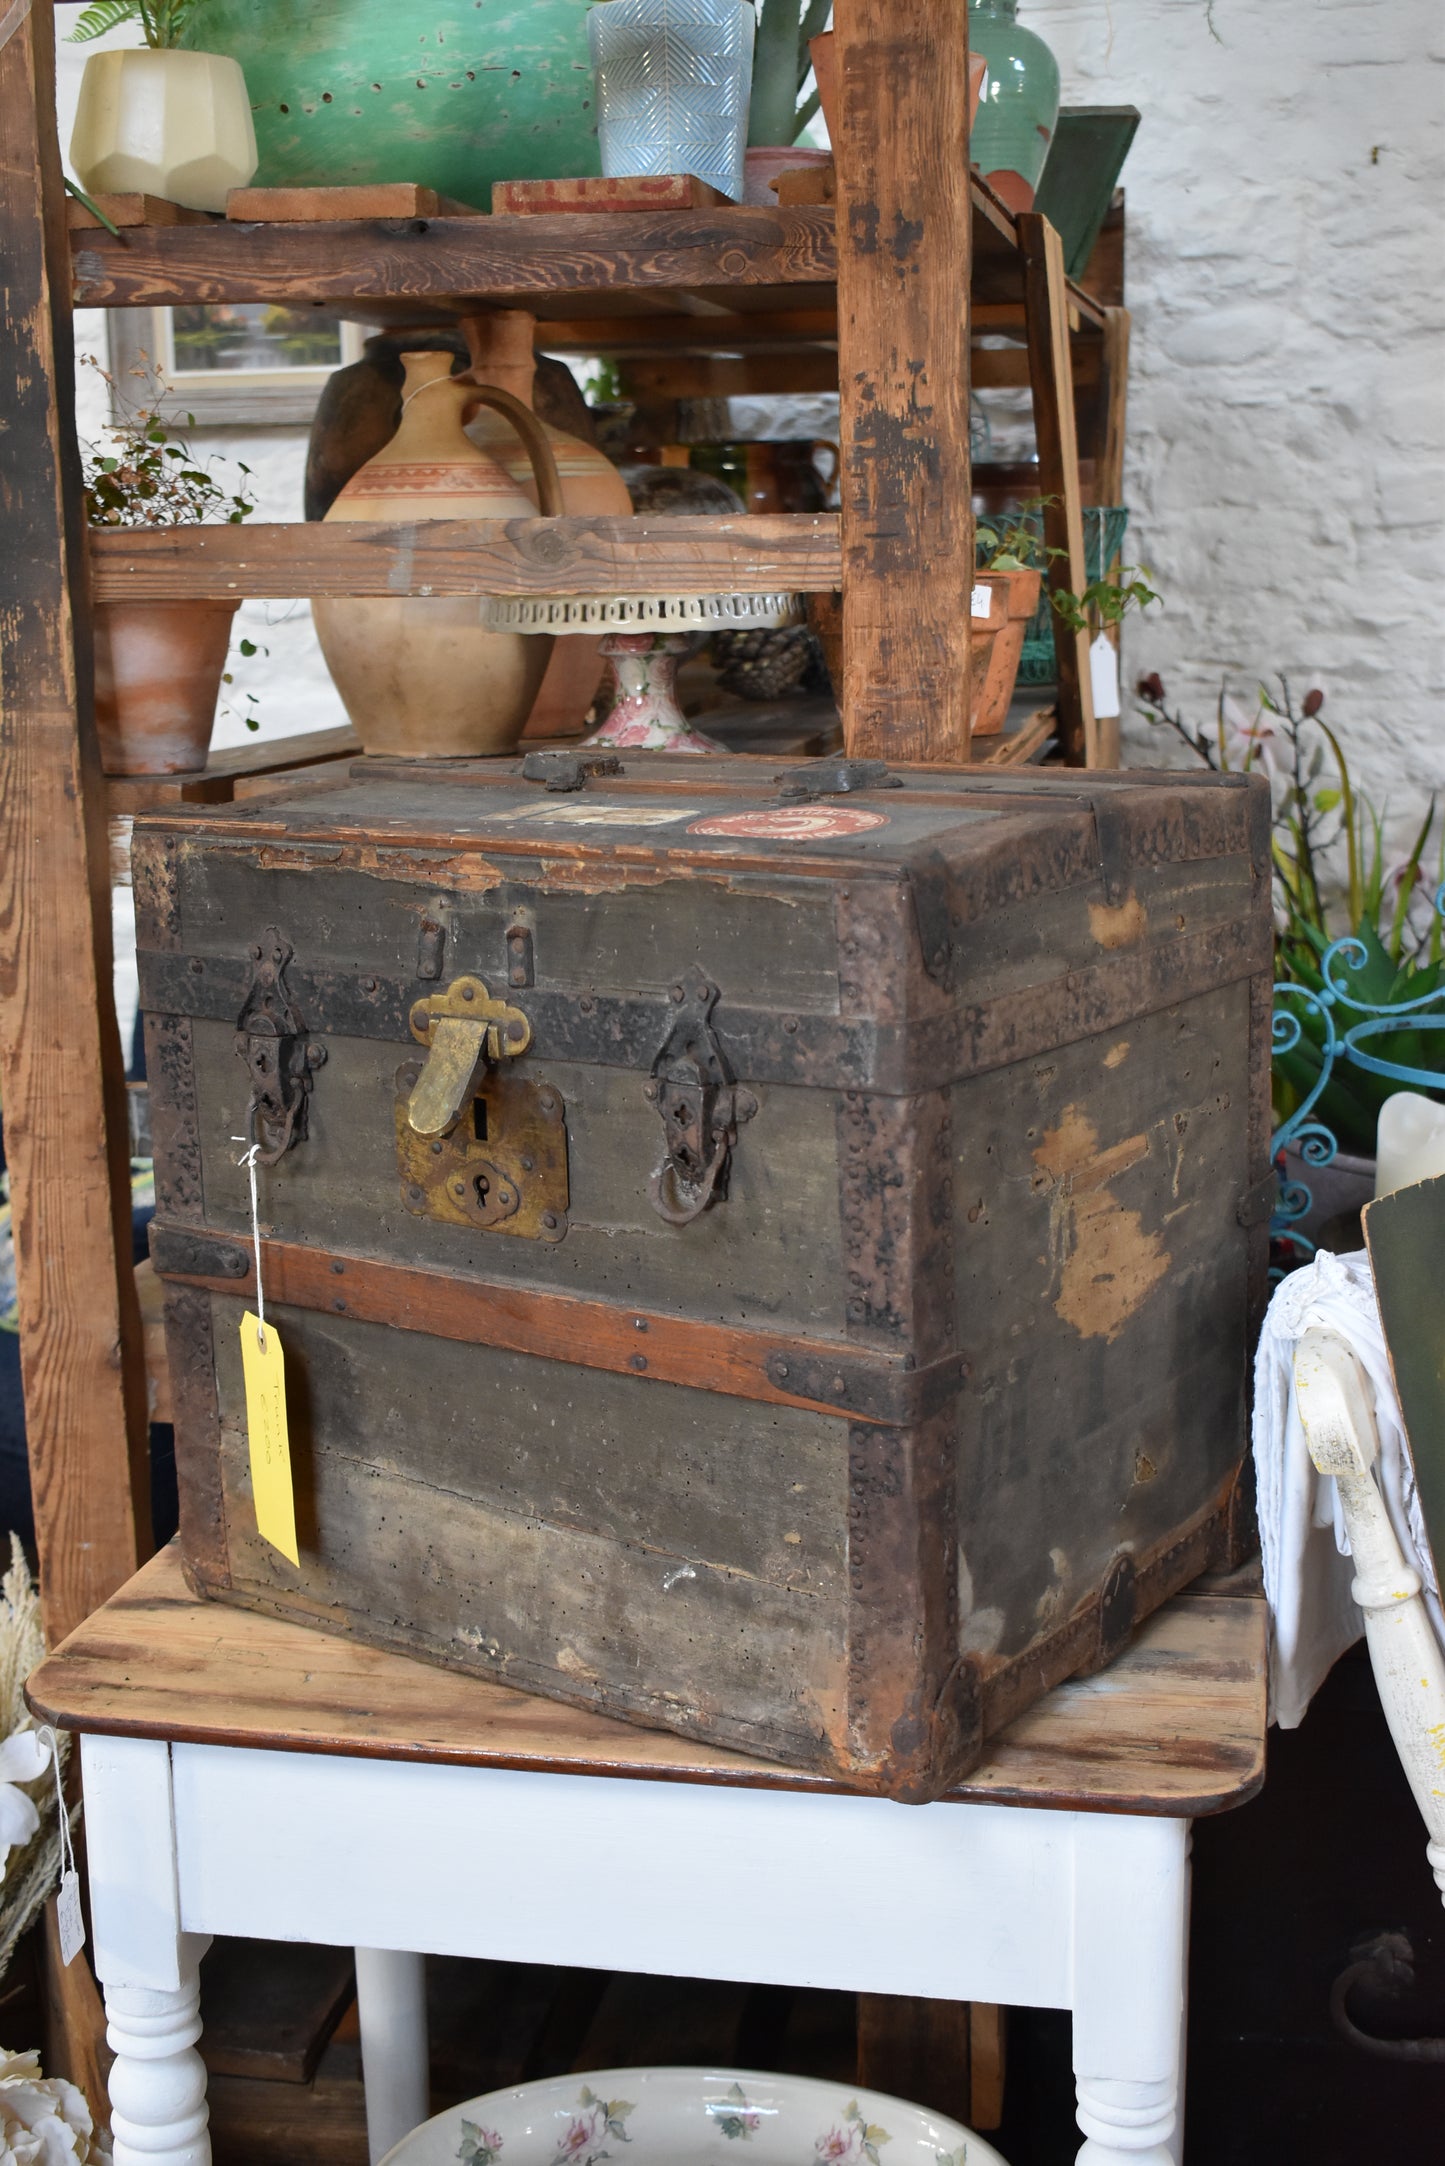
479 1119
483 1188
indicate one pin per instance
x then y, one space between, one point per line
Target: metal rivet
459 1188
526 1165
338 1268
790 1024
838 1384
340 1307
255 954
639 1323
587 1004
469 992
781 1370
550 1221
519 976
197 965
368 985
677 993
414 1193
278 955
436 1150
638 1361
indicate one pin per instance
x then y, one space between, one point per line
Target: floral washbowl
689 2117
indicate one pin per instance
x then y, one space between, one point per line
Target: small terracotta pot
997 645
825 70
765 161
158 668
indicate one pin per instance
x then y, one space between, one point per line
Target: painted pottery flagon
420 676
502 355
454 94
158 668
168 123
673 81
1020 108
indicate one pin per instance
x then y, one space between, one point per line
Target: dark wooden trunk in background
946 1393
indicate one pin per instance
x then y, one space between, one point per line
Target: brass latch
461 1028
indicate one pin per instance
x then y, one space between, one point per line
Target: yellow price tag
264 1367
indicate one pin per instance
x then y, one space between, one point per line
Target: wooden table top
1176 1725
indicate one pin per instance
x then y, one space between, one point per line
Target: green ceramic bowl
453 94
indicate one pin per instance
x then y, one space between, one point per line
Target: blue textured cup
673 82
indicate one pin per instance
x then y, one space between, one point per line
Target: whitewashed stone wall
1287 386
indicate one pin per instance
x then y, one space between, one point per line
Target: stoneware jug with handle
420 676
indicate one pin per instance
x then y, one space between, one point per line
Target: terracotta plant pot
997 644
502 355
420 676
158 668
825 70
765 161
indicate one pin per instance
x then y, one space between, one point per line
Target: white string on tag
249 1162
68 1911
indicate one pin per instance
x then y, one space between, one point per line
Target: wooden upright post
1046 311
903 281
60 1058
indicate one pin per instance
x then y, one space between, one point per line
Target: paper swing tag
68 1917
1104 676
264 1367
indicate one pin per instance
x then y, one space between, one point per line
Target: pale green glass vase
1020 106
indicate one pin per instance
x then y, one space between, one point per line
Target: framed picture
235 363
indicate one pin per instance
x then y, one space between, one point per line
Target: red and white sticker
792 823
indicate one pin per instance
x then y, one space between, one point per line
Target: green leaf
105 15
1326 800
249 647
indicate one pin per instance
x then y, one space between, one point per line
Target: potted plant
169 123
1010 555
778 110
158 665
1359 953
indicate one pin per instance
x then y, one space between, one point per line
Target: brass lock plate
501 1169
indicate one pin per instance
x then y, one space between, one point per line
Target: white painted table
250 1777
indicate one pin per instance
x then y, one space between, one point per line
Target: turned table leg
158 2109
391 2011
1130 1925
148 1966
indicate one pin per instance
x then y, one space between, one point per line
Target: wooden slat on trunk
63 1076
903 291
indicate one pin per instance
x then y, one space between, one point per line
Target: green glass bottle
1020 107
453 94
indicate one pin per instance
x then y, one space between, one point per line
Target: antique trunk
769 1256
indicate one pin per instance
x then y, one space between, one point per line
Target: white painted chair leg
391 2010
1131 1911
1337 1409
158 2083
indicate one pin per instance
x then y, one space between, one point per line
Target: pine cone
764 663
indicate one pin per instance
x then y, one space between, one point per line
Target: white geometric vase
673 83
168 123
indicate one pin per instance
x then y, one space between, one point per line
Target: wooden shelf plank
796 552
626 262
226 774
481 258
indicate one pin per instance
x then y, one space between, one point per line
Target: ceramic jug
419 675
500 343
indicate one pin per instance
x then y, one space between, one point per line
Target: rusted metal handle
679 1214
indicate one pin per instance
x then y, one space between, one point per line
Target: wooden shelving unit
873 293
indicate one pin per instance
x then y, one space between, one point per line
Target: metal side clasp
279 1056
701 1108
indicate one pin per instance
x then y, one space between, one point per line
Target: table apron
965 1902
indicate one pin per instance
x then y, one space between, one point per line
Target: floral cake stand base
645 716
